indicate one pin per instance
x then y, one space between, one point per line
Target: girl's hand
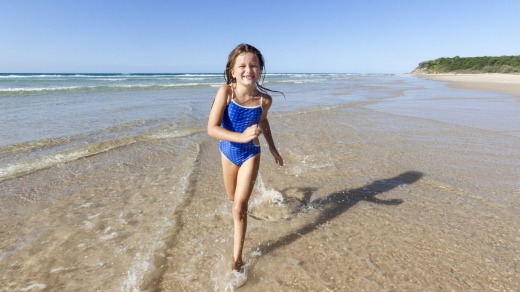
277 157
250 133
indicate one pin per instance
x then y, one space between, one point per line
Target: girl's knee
239 210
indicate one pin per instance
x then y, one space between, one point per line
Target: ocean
109 182
54 118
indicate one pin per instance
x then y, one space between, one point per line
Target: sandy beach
494 82
391 183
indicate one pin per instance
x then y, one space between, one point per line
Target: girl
237 118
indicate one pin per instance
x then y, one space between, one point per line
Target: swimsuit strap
232 92
233 96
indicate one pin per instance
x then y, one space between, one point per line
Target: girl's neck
246 95
246 92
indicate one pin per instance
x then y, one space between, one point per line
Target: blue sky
295 36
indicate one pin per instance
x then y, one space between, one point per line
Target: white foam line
37 89
40 163
75 154
34 286
102 87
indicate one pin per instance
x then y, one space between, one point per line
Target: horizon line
173 73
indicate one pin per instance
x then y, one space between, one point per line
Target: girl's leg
246 178
230 172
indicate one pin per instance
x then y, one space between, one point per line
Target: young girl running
237 118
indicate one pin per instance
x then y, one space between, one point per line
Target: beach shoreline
389 183
492 82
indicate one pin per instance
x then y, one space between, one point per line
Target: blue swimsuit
238 118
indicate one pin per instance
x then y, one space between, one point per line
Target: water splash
269 196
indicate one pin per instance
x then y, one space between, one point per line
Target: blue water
67 114
47 106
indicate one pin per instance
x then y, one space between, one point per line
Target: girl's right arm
215 119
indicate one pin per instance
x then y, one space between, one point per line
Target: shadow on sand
337 203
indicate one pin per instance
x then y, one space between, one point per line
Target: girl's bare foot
237 265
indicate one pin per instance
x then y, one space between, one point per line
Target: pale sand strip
501 83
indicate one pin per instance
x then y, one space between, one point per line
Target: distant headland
486 64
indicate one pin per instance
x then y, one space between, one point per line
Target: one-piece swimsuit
238 118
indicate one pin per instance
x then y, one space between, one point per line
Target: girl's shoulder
267 98
225 88
225 92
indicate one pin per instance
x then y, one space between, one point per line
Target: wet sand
386 203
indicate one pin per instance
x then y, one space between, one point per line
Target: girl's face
246 69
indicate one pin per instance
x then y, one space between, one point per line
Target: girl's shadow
335 204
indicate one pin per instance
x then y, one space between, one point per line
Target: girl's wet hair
241 49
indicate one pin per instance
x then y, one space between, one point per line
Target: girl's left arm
266 131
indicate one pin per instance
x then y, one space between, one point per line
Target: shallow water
378 193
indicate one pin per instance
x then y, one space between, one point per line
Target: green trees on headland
502 64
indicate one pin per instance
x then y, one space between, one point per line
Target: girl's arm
215 119
266 130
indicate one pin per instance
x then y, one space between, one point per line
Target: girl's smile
247 70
